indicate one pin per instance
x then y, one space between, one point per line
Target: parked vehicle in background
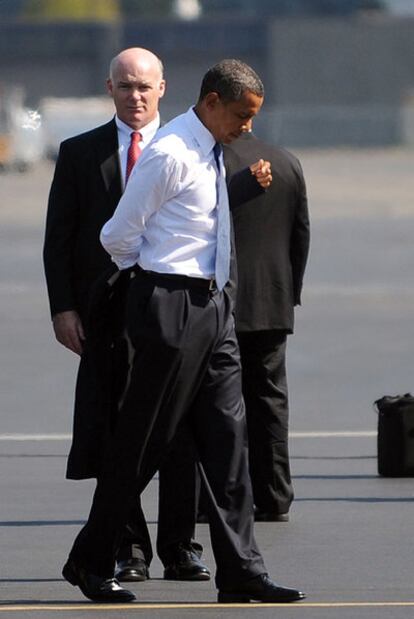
64 117
21 133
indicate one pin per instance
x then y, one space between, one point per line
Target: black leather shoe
94 587
186 565
262 516
131 570
261 589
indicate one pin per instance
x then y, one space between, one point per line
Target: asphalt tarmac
349 541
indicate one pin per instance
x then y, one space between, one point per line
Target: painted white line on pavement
35 437
339 434
137 606
315 434
360 291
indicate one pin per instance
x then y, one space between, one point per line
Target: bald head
136 85
134 55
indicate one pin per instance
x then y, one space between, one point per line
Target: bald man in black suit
90 175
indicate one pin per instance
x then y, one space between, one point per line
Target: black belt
181 280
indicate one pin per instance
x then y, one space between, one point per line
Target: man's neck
202 117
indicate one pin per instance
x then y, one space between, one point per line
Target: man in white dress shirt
172 228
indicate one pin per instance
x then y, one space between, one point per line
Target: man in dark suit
91 173
272 243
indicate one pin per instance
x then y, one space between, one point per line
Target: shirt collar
148 131
204 139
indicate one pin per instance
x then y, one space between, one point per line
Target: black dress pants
178 496
263 357
186 367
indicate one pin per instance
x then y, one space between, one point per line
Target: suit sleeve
242 187
62 224
300 238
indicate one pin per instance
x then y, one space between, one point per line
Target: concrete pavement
349 542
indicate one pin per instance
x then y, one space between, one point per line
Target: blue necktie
222 266
217 152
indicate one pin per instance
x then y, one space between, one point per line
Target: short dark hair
230 79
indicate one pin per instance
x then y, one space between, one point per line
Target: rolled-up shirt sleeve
152 181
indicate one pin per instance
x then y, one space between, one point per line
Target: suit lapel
107 154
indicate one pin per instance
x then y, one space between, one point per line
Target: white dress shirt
124 140
166 220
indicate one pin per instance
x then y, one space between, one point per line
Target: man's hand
69 331
263 173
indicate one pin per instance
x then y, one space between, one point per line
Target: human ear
109 87
211 100
161 88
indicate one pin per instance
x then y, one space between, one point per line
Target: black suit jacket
85 191
272 238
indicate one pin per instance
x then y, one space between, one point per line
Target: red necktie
134 152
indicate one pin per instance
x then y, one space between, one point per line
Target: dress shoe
262 516
186 565
131 570
94 587
261 589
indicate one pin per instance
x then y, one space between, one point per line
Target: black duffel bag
395 435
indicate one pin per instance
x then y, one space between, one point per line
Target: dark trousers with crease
186 367
263 356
